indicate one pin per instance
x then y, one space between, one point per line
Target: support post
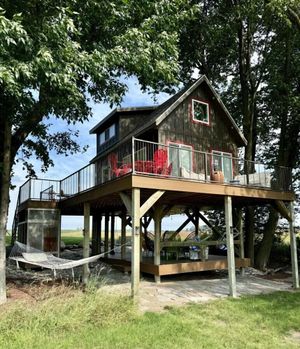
242 245
135 256
293 244
196 213
123 236
157 236
112 233
230 246
106 229
86 240
96 234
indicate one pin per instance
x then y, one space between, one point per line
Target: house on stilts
180 157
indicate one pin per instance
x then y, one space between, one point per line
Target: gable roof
117 111
162 111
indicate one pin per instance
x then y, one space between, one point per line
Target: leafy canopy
54 58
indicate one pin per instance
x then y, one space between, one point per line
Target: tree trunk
249 233
4 203
287 155
263 255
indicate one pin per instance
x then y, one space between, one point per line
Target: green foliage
56 56
98 320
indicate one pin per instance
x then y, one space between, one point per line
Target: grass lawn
96 320
71 237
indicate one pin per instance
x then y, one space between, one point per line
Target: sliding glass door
223 162
180 156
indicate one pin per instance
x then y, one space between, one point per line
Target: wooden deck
186 192
176 267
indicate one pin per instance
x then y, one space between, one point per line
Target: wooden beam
135 255
196 214
86 240
178 230
123 236
157 236
151 201
230 246
207 222
112 233
191 216
282 209
126 201
196 266
106 232
293 244
194 187
96 234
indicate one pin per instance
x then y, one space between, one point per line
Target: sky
64 166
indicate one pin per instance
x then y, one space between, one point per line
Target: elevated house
178 157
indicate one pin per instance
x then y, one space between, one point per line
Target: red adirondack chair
160 161
117 171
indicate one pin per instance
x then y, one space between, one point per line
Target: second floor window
200 111
106 135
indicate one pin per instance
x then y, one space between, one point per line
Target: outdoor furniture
160 158
118 171
144 166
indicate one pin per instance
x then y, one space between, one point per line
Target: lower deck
173 267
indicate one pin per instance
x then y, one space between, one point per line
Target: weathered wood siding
179 127
130 122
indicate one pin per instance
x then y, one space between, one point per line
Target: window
180 155
107 134
200 111
222 161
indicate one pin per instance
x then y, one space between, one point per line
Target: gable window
200 111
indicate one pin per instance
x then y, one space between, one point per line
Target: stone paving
172 291
155 297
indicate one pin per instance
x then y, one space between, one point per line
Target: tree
283 86
54 58
242 46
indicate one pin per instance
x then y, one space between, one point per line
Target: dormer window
106 135
200 111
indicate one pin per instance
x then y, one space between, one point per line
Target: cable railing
172 160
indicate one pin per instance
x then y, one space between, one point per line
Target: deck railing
182 161
39 189
162 161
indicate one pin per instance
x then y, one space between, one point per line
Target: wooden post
196 213
112 233
157 236
96 234
106 229
141 240
293 244
242 247
86 240
135 242
123 236
230 246
59 234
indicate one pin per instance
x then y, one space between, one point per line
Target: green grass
97 320
71 240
